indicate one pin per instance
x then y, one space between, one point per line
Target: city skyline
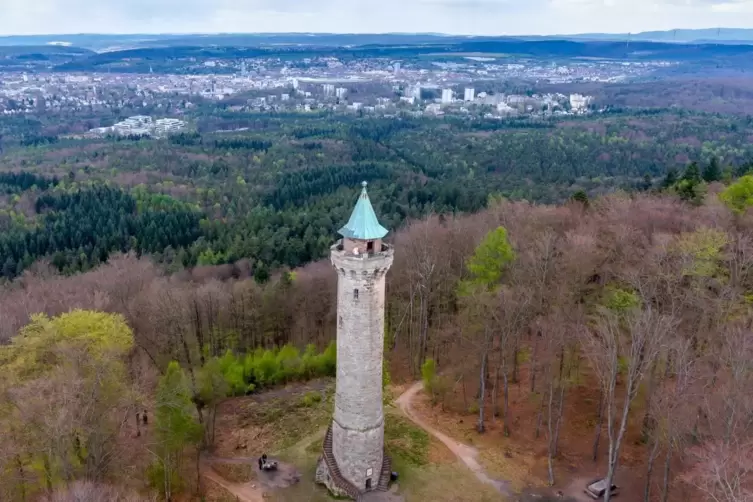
468 17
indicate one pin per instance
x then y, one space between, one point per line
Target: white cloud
513 17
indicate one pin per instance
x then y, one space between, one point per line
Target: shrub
233 373
265 367
328 363
289 364
310 399
309 362
429 374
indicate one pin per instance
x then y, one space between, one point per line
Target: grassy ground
273 422
291 423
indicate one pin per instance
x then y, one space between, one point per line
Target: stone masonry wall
358 426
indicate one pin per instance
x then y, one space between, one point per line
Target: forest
620 312
573 292
275 195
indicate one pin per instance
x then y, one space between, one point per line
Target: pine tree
712 172
670 179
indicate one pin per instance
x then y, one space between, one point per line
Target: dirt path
466 454
244 492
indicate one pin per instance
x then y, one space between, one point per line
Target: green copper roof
363 224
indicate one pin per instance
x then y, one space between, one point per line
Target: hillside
668 279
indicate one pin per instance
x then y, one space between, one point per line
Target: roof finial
364 183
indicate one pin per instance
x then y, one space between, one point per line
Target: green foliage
80 228
233 372
311 398
621 300
176 425
712 172
176 428
670 179
702 251
270 197
64 383
265 368
428 375
37 348
580 196
739 195
490 259
691 187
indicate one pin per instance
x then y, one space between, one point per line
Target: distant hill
710 35
105 43
138 53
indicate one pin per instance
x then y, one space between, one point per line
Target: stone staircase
385 475
334 471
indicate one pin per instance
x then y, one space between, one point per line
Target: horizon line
417 33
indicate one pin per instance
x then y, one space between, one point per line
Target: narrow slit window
355 294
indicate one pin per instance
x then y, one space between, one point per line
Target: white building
328 89
579 102
446 96
285 97
396 66
143 125
341 92
470 94
504 108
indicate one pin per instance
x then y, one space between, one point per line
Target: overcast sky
495 17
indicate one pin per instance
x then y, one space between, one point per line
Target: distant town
468 87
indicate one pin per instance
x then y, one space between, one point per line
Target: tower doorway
368 484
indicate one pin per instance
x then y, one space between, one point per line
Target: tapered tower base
328 473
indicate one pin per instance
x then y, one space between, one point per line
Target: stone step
342 483
384 476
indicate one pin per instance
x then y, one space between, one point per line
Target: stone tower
353 460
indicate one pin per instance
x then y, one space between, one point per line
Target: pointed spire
363 223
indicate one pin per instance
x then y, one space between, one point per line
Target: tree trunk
665 483
533 362
495 391
21 477
616 442
550 433
506 403
198 472
465 398
646 424
482 393
599 425
560 411
199 330
47 472
650 469
539 418
166 468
